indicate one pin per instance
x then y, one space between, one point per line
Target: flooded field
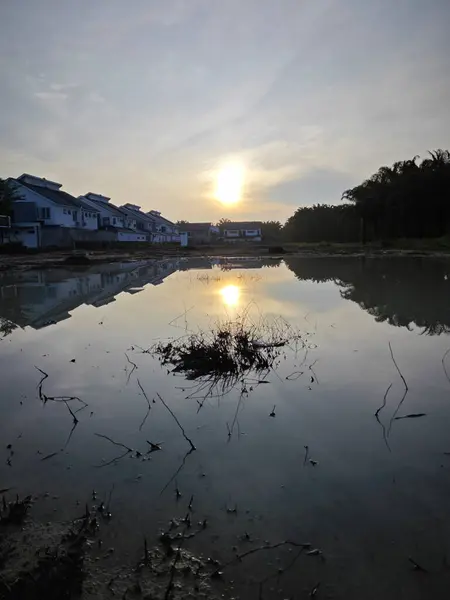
325 474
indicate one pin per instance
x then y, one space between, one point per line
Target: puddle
307 461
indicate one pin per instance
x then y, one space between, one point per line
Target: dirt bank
64 258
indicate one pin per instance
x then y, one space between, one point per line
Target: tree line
411 199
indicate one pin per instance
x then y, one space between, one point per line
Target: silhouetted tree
408 199
7 196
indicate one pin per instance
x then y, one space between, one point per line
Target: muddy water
376 493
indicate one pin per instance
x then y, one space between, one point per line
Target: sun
230 295
229 183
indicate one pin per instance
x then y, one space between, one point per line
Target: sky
149 101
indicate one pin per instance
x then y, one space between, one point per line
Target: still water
369 492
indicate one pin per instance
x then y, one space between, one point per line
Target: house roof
55 196
101 205
243 225
137 214
195 226
157 217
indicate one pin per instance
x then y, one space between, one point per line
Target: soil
67 560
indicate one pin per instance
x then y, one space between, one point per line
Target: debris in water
411 416
272 414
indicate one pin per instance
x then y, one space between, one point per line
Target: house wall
132 236
57 214
105 213
26 235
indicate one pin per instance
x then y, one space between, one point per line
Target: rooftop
243 225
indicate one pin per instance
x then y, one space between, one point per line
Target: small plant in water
234 352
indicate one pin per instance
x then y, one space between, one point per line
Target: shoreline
68 259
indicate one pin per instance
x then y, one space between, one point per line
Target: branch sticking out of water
384 401
133 364
148 403
178 423
397 367
127 448
443 365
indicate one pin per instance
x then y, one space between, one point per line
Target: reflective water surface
369 491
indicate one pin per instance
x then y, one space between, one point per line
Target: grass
237 351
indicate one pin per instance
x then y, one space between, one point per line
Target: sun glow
230 295
229 183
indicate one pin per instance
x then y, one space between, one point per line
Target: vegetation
236 352
7 196
408 200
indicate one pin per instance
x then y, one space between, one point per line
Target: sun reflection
230 295
229 183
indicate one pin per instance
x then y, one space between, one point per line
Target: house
113 220
44 215
239 231
142 222
165 230
199 233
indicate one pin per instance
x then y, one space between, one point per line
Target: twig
148 403
108 504
174 476
384 401
416 565
134 365
178 423
127 448
306 455
444 367
239 557
396 366
75 420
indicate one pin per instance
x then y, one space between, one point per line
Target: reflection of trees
399 291
6 327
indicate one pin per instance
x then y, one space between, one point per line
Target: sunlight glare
230 295
229 183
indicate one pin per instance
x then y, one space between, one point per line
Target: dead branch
396 366
148 404
444 367
133 364
127 448
384 401
178 423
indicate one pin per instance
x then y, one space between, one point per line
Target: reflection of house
199 233
238 231
41 298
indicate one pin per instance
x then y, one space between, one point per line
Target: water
379 491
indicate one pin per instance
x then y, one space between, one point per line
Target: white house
165 230
43 209
114 219
142 220
238 231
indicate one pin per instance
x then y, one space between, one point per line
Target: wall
132 237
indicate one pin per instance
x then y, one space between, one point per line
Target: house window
69 212
251 232
105 221
44 213
114 220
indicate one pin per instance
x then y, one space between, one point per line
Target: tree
409 199
8 195
271 231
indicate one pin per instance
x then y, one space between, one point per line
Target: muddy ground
62 258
